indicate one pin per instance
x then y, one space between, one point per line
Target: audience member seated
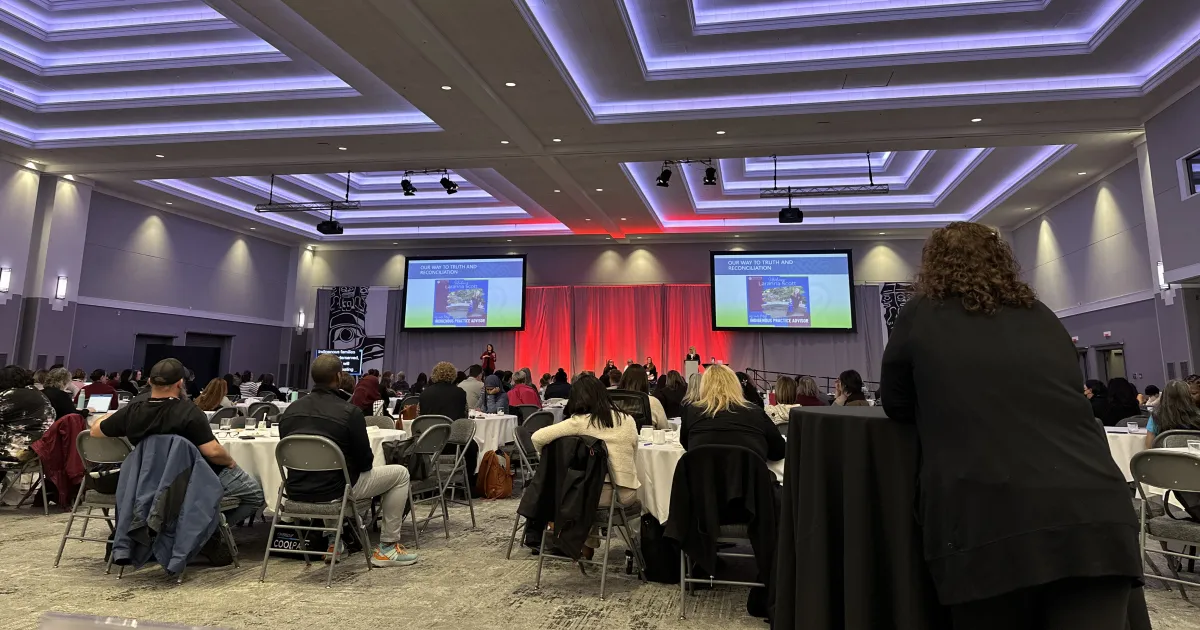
591 412
127 383
1150 398
693 390
401 384
544 383
634 380
785 400
385 385
721 415
1176 411
345 387
266 383
850 390
39 379
1122 402
248 388
100 385
614 378
560 388
325 414
55 391
807 392
25 414
1193 382
497 398
521 392
441 396
749 390
365 393
1097 395
213 397
473 386
459 377
231 385
78 378
419 385
670 393
167 413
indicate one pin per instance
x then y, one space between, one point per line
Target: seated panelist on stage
721 415
323 413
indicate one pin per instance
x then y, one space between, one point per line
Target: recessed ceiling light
737 236
447 87
510 84
1030 208
558 139
170 203
504 142
882 233
341 148
587 219
395 243
622 218
599 190
1083 172
720 133
639 237
509 240
159 155
976 120
557 190
253 228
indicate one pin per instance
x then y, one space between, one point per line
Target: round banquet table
1123 446
557 411
655 465
491 431
257 457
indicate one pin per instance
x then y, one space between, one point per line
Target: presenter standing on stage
692 355
488 359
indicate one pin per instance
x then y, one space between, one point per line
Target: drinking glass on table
1132 426
1194 446
226 423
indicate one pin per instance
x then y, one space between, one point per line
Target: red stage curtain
617 323
545 344
689 323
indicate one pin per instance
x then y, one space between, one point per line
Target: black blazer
741 426
1013 464
62 402
557 390
444 399
566 489
692 357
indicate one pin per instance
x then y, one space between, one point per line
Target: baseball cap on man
167 372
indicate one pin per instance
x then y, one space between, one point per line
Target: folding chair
1175 439
426 450
613 516
268 397
222 413
1173 471
383 422
636 404
538 420
462 433
31 467
311 453
527 459
422 423
260 415
95 453
522 412
271 409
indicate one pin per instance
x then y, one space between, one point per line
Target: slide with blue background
782 291
464 293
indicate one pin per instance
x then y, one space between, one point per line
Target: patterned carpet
462 583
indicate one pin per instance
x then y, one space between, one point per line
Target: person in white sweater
591 412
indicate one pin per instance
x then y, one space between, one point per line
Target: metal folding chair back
410 399
383 422
1173 471
522 412
422 423
1177 438
95 453
527 459
268 397
312 453
222 413
462 433
538 420
428 449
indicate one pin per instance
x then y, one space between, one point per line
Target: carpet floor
462 583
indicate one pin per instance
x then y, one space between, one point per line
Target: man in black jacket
325 414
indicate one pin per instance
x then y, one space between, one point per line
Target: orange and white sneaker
336 557
392 555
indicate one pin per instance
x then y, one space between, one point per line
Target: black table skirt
849 553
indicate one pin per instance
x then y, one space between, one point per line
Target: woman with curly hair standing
1026 518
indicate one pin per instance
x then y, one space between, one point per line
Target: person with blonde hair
785 399
213 396
1026 517
722 416
807 392
693 389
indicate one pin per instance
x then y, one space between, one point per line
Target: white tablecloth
491 431
656 471
1124 446
257 457
557 411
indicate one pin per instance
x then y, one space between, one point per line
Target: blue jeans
241 486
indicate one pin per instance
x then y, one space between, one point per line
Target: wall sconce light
5 279
300 319
60 288
1162 277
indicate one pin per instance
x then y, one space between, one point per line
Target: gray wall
1173 134
1091 247
663 263
104 338
138 254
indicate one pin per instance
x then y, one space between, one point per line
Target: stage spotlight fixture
450 186
409 189
664 178
791 215
710 176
